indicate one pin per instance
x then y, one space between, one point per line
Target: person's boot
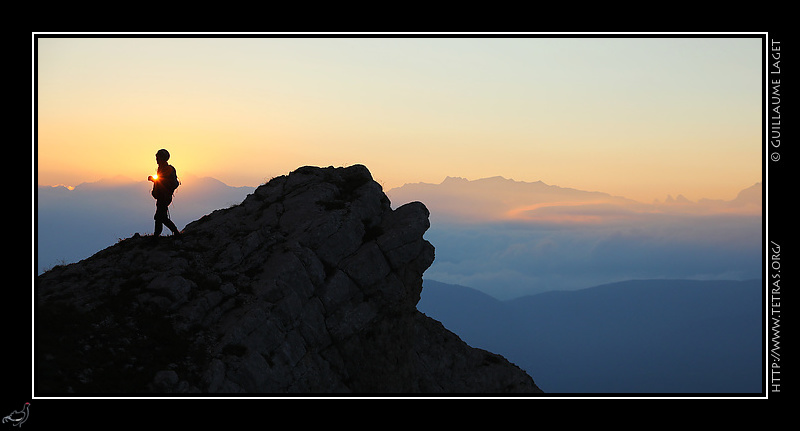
175 232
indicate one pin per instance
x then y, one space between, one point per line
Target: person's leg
160 217
171 226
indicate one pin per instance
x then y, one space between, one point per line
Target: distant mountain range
640 336
458 200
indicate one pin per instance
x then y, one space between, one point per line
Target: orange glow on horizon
525 212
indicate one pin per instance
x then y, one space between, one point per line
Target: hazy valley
641 336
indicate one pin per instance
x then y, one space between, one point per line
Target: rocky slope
310 285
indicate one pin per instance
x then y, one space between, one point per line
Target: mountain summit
309 285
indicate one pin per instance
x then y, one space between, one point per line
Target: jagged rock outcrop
310 285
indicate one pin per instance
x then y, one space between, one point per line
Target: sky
639 117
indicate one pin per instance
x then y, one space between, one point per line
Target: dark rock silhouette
310 285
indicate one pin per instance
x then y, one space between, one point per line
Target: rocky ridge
310 285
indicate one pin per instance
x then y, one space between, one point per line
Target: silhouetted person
164 185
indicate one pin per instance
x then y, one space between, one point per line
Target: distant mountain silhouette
640 336
458 200
490 199
749 198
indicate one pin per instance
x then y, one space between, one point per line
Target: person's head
162 156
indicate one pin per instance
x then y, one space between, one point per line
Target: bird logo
18 417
